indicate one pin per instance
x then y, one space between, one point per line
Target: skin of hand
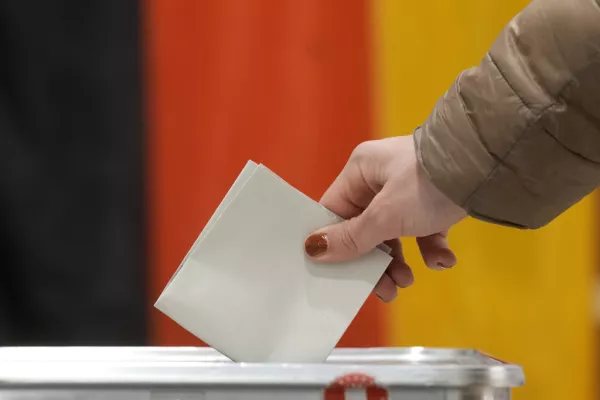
383 193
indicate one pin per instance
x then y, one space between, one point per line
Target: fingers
347 197
399 270
386 289
397 275
344 241
354 237
352 196
435 251
349 194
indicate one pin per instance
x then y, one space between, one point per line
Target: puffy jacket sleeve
516 140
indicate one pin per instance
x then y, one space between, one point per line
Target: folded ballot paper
248 289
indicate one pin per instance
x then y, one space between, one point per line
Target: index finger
349 194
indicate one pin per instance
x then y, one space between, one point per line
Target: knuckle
363 150
347 238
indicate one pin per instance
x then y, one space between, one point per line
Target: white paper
248 289
231 193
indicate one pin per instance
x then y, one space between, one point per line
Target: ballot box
189 373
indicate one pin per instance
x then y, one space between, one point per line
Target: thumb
347 240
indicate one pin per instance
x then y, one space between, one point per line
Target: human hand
383 193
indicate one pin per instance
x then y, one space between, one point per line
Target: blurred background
123 124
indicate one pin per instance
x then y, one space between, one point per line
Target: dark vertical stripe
71 176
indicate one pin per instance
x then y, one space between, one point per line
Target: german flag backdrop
122 125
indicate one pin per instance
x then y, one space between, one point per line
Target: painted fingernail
316 245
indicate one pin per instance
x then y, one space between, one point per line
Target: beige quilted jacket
516 140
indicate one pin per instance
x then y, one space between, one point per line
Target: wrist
436 194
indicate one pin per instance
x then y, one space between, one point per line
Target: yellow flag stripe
523 296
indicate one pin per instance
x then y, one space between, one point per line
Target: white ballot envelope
248 289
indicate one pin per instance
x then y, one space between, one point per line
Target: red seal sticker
337 389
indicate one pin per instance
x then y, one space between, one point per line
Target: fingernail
316 245
384 300
407 281
442 266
